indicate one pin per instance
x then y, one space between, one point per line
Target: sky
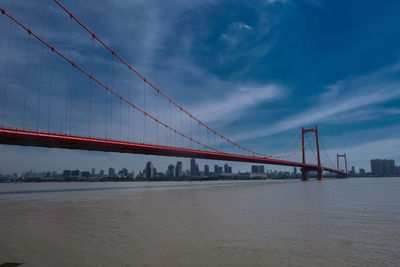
256 71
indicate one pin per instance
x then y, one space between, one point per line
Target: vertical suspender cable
6 70
158 115
68 79
133 110
144 108
41 66
120 118
26 78
129 110
50 91
111 98
169 115
70 99
106 116
91 89
1 34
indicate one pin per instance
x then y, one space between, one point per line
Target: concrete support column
304 174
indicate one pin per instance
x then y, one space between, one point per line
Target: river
346 222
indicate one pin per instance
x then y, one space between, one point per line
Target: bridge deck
54 140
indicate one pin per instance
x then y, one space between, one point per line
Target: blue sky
256 71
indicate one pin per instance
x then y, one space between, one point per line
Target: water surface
352 222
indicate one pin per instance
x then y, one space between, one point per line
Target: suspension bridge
55 94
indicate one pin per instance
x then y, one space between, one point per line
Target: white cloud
237 103
276 1
344 97
241 25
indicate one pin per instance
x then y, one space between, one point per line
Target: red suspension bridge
55 94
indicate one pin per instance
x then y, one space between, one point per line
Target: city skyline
378 167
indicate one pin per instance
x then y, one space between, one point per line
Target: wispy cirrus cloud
236 104
343 98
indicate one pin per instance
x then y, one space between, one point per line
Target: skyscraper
257 169
382 167
192 167
215 168
171 171
206 170
111 172
149 171
179 169
227 168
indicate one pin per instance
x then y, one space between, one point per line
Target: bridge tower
319 169
345 163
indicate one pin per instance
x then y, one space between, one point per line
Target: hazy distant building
193 167
171 171
206 170
66 174
111 172
179 169
75 174
123 172
93 171
150 170
218 169
352 172
397 170
257 169
362 171
85 175
227 168
382 167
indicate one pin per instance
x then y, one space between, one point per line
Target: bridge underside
53 140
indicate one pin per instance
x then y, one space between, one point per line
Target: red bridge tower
319 168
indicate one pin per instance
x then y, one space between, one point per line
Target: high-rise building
111 172
229 169
390 167
382 167
123 172
150 170
66 174
93 171
85 175
257 169
179 169
193 167
215 168
206 170
171 171
75 174
352 172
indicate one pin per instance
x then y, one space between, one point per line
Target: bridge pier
320 174
304 171
303 174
